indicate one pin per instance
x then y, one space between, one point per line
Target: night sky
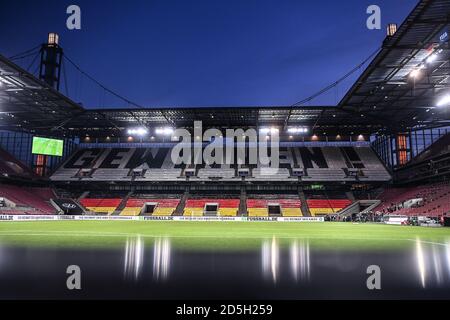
203 52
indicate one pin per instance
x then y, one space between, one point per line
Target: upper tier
156 164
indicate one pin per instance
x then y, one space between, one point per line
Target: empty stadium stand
327 206
272 205
150 206
257 208
27 200
223 173
100 205
111 175
212 206
155 164
266 175
325 174
65 175
161 175
430 200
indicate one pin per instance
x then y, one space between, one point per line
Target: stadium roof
385 98
323 119
28 103
388 90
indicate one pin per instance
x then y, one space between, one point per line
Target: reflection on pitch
433 262
134 257
161 259
270 253
299 260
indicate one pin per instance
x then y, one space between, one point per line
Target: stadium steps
353 208
304 204
243 203
361 206
197 169
122 205
179 211
348 163
291 172
350 196
370 205
83 195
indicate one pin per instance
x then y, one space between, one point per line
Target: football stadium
302 201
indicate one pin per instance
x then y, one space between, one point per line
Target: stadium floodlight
137 132
444 101
297 130
391 29
53 38
415 73
167 131
431 58
269 130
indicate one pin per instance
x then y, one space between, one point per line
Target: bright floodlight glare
298 130
137 131
268 130
415 73
445 100
164 131
391 29
432 58
53 38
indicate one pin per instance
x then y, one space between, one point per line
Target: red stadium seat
37 199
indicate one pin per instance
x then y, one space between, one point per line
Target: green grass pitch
215 235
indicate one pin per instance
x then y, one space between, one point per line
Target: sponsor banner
398 220
157 218
127 218
262 218
66 217
154 218
35 218
301 219
183 218
288 219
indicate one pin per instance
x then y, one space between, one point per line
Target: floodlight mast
51 61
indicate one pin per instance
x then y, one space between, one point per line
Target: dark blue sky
204 52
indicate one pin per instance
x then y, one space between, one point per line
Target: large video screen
46 146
